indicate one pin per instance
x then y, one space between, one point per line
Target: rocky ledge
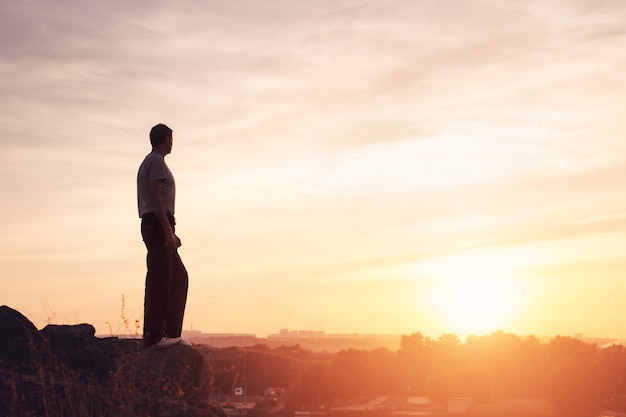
66 371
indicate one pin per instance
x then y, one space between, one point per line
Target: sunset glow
475 293
370 167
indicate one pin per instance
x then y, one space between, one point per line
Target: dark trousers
166 284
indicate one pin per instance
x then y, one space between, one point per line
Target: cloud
312 139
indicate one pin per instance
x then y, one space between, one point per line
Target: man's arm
154 192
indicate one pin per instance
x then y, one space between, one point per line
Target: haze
346 166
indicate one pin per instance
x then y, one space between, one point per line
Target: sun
475 292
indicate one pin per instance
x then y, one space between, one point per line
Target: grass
100 378
144 383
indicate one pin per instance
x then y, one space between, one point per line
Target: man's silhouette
166 279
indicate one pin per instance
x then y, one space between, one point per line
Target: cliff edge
64 370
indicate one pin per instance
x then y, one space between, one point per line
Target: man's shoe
166 342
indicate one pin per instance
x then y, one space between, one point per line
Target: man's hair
158 134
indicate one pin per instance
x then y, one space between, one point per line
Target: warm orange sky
346 166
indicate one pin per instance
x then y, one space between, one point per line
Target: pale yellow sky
347 166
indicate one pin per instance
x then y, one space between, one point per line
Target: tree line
574 376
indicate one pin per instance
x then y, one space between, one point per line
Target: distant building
274 392
297 334
459 405
307 339
220 340
515 406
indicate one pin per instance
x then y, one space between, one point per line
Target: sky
346 166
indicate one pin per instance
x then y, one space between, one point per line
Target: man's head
159 133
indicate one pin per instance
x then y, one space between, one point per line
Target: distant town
308 339
332 342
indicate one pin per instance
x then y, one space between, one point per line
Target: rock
66 370
56 333
29 369
22 348
77 348
164 378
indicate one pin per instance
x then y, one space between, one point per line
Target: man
166 279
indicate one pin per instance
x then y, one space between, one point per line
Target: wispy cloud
343 140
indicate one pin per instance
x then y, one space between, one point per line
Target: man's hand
171 241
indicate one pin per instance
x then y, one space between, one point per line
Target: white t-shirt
154 168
